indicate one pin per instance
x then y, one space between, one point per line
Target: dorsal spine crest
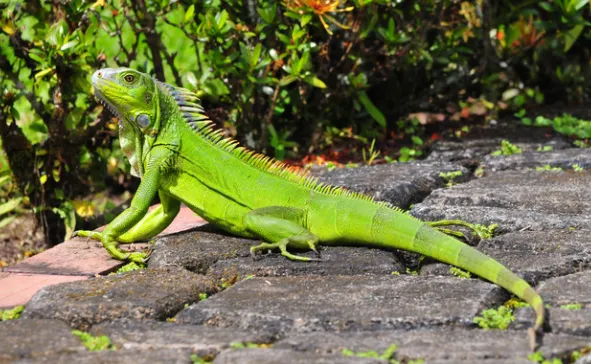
190 107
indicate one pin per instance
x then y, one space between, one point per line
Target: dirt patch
20 239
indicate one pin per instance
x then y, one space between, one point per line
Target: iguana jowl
173 147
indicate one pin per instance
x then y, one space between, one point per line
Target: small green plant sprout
352 165
516 303
202 296
412 272
389 159
499 318
131 267
462 274
196 359
507 149
538 357
371 154
449 177
94 343
571 306
578 168
409 154
11 314
545 148
479 172
248 345
330 166
548 168
387 355
582 143
395 273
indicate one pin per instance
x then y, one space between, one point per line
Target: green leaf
189 14
287 80
40 74
315 81
10 205
546 6
572 35
375 113
69 45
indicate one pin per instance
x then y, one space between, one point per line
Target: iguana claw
282 246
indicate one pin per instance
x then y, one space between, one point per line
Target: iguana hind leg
484 232
281 227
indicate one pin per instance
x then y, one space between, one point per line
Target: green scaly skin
172 146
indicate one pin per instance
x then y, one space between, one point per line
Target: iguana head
130 94
134 97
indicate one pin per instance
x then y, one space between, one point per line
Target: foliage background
287 78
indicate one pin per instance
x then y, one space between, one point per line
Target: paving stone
471 150
197 250
85 257
401 184
17 289
344 303
24 338
570 289
284 356
207 250
335 261
153 336
144 294
440 345
516 200
118 356
564 159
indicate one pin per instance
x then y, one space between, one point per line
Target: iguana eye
143 120
129 78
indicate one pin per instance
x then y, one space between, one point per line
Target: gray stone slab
344 303
335 261
584 360
401 184
145 294
516 200
285 356
207 251
198 249
441 345
24 338
471 152
560 291
564 159
539 255
153 336
117 356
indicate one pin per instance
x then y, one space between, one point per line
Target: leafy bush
281 77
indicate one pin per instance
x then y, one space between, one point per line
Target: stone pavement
203 298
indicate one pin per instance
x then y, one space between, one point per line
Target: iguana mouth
101 98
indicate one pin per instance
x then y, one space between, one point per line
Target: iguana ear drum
143 120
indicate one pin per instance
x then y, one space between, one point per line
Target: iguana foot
112 246
282 246
483 231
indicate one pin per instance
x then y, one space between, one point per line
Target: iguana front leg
281 227
128 218
154 221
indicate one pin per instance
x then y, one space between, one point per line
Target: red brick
17 289
82 256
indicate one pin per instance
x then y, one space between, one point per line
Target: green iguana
175 150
